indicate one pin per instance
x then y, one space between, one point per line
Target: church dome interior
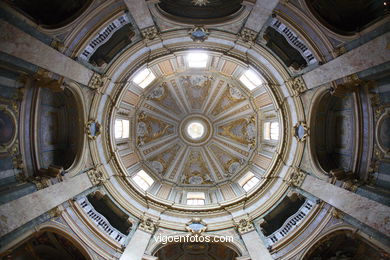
195 129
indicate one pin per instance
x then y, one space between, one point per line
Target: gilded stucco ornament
244 225
96 177
93 129
147 225
301 131
296 178
150 33
196 226
248 35
198 33
96 81
298 86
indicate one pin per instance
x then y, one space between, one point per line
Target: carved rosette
96 177
147 225
248 35
150 33
245 225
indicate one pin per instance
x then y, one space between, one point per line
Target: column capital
150 33
96 81
148 225
96 177
297 85
244 225
296 178
248 35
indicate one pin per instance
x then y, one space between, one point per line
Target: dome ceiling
200 9
196 129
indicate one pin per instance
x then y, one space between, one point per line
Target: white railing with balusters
294 41
103 36
291 223
101 222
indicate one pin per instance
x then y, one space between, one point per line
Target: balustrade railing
294 41
291 223
103 36
101 222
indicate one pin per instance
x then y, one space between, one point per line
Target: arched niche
196 251
51 14
347 17
344 244
47 244
59 134
332 123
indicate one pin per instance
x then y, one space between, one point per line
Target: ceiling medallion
200 2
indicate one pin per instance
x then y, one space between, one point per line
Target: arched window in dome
271 131
143 180
251 79
144 78
122 128
195 198
248 181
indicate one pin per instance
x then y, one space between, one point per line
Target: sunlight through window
197 60
144 78
250 79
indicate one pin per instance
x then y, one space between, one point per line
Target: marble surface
255 246
368 55
260 13
367 211
140 12
19 44
137 246
18 212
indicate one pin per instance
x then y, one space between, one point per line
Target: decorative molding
244 225
198 33
296 178
40 182
336 213
248 35
93 129
96 177
298 86
96 81
150 33
148 225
